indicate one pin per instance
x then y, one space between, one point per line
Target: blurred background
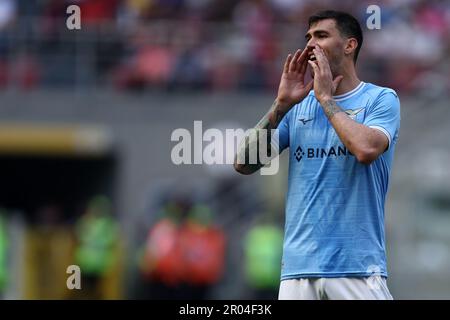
86 118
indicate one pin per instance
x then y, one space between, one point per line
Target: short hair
347 25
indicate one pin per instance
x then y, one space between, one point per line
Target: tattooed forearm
272 118
250 143
276 117
330 108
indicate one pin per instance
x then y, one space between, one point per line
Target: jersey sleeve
280 138
384 115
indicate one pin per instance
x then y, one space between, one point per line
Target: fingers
303 66
314 66
296 63
302 59
322 60
336 82
287 63
293 66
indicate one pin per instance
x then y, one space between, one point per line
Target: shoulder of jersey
375 90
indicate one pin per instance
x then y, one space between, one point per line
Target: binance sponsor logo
315 153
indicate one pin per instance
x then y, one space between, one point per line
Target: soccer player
341 133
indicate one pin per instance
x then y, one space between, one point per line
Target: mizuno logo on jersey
305 121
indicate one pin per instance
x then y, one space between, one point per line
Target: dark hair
347 25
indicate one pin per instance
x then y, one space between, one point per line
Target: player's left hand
324 85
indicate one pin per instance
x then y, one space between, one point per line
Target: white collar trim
351 93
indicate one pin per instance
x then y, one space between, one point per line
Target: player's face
325 34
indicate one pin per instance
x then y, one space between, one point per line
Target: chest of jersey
314 143
310 124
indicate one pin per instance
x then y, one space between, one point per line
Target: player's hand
293 89
324 85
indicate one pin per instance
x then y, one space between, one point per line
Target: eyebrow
316 32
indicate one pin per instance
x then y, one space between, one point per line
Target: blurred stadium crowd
184 251
210 44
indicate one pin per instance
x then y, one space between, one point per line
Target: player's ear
350 46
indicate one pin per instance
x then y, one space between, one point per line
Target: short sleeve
384 115
280 139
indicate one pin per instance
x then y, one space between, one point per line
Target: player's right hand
293 89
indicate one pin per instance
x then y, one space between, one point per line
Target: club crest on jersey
353 112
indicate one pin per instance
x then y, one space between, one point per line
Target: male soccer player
341 133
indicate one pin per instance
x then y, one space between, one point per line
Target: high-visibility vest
97 239
263 247
3 253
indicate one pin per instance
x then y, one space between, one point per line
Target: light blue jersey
335 204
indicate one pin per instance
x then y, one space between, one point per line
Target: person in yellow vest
3 253
97 234
262 259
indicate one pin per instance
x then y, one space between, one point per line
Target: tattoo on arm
271 119
278 115
250 143
331 108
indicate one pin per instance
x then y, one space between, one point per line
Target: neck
349 82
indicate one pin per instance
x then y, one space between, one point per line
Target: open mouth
312 57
